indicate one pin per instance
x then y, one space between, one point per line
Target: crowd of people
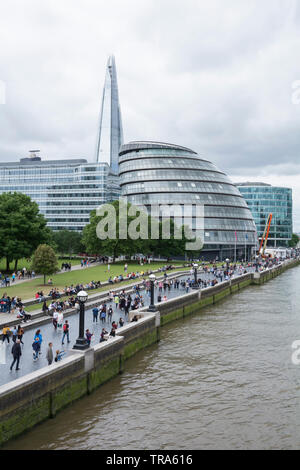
120 303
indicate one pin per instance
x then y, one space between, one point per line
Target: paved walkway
50 335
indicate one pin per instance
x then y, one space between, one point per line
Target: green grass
27 290
26 263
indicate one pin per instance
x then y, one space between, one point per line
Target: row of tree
23 228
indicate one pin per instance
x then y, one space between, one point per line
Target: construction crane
265 236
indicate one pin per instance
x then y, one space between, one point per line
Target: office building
66 191
264 199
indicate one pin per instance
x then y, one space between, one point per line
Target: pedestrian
49 355
6 333
66 329
103 316
59 355
121 322
36 348
14 334
20 334
95 314
38 335
103 333
110 313
88 335
17 353
55 319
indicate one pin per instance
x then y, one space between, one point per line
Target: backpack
65 327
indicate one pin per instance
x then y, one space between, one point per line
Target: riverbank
41 395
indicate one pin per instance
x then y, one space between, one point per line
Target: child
59 355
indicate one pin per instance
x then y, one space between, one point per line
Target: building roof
145 145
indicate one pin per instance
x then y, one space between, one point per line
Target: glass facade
110 136
66 191
159 173
264 199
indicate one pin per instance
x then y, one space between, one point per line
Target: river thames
222 379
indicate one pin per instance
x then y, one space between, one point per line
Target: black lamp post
81 342
195 286
152 307
227 265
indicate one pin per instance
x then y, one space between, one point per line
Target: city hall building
166 174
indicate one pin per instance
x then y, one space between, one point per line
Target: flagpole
235 247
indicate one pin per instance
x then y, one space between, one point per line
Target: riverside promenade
39 395
44 323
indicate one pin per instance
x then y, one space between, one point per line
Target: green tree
22 227
140 237
294 241
68 242
113 245
44 261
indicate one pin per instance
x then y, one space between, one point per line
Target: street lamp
227 264
195 276
81 342
152 308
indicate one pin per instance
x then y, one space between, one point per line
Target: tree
123 229
44 261
22 227
68 242
294 241
109 222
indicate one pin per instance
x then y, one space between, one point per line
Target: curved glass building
165 174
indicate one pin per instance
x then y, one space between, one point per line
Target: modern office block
264 199
66 191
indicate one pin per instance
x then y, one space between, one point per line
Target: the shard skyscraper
110 136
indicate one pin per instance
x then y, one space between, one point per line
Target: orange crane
265 236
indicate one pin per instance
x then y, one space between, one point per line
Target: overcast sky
214 76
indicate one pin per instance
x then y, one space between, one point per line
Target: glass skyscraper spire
110 135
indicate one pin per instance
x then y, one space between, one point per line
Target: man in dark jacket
17 353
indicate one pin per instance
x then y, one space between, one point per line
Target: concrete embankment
41 395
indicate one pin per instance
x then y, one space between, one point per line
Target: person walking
38 335
6 333
95 314
17 353
20 334
66 329
14 334
36 348
88 335
49 355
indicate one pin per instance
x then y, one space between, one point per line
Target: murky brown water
222 379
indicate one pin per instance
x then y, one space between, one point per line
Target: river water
222 379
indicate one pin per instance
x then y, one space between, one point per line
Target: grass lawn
27 290
25 263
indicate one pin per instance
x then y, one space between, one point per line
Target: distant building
264 199
167 174
66 191
110 136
